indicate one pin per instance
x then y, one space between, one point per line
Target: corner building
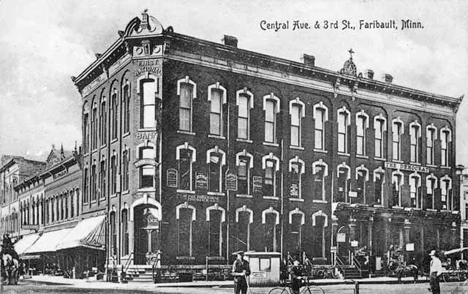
197 149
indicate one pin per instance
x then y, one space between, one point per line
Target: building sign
352 194
146 135
408 167
354 243
171 177
153 66
150 220
341 237
294 190
257 184
201 181
410 247
198 198
60 174
231 181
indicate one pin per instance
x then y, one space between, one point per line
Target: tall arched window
148 105
186 215
215 216
271 108
244 103
215 159
186 89
431 136
343 132
186 156
431 185
85 185
94 126
319 223
93 183
270 165
362 176
445 193
296 221
103 178
445 138
320 116
415 135
362 123
126 107
113 233
344 175
379 128
244 217
397 183
296 169
125 170
397 131
320 171
113 174
125 238
297 112
147 171
86 127
114 114
244 162
217 97
415 184
103 118
270 220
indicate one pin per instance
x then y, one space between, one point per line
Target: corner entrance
147 234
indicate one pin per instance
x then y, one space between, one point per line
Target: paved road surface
31 287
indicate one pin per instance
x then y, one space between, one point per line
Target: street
29 287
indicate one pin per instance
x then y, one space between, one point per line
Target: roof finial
351 53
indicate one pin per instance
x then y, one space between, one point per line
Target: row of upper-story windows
267 184
9 224
96 177
186 90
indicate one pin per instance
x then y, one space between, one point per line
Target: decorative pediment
349 68
147 25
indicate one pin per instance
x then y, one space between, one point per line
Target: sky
45 42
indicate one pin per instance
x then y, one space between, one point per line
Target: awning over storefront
89 233
25 243
48 242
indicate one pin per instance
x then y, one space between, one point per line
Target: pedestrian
296 277
435 271
240 271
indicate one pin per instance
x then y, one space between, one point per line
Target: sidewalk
87 284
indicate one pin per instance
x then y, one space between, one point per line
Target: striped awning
89 233
48 242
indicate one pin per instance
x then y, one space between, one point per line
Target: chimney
309 60
369 74
387 78
230 41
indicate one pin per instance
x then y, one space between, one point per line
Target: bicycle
307 288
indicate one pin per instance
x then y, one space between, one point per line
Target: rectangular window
85 186
126 178
146 176
243 231
243 118
85 132
243 176
342 131
185 170
319 128
215 233
103 179
414 182
185 107
296 232
430 185
296 125
361 186
270 120
396 189
125 247
430 146
379 124
343 185
270 233
319 182
269 179
215 173
148 105
444 149
414 130
295 189
113 175
361 135
72 205
114 116
103 124
93 183
397 128
216 124
113 234
126 102
94 129
185 232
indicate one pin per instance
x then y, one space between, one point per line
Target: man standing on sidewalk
435 271
240 271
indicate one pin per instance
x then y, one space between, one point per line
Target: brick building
196 149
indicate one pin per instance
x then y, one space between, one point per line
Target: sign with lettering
198 198
231 181
294 190
201 181
153 66
142 135
257 184
408 167
341 237
171 178
60 174
352 194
